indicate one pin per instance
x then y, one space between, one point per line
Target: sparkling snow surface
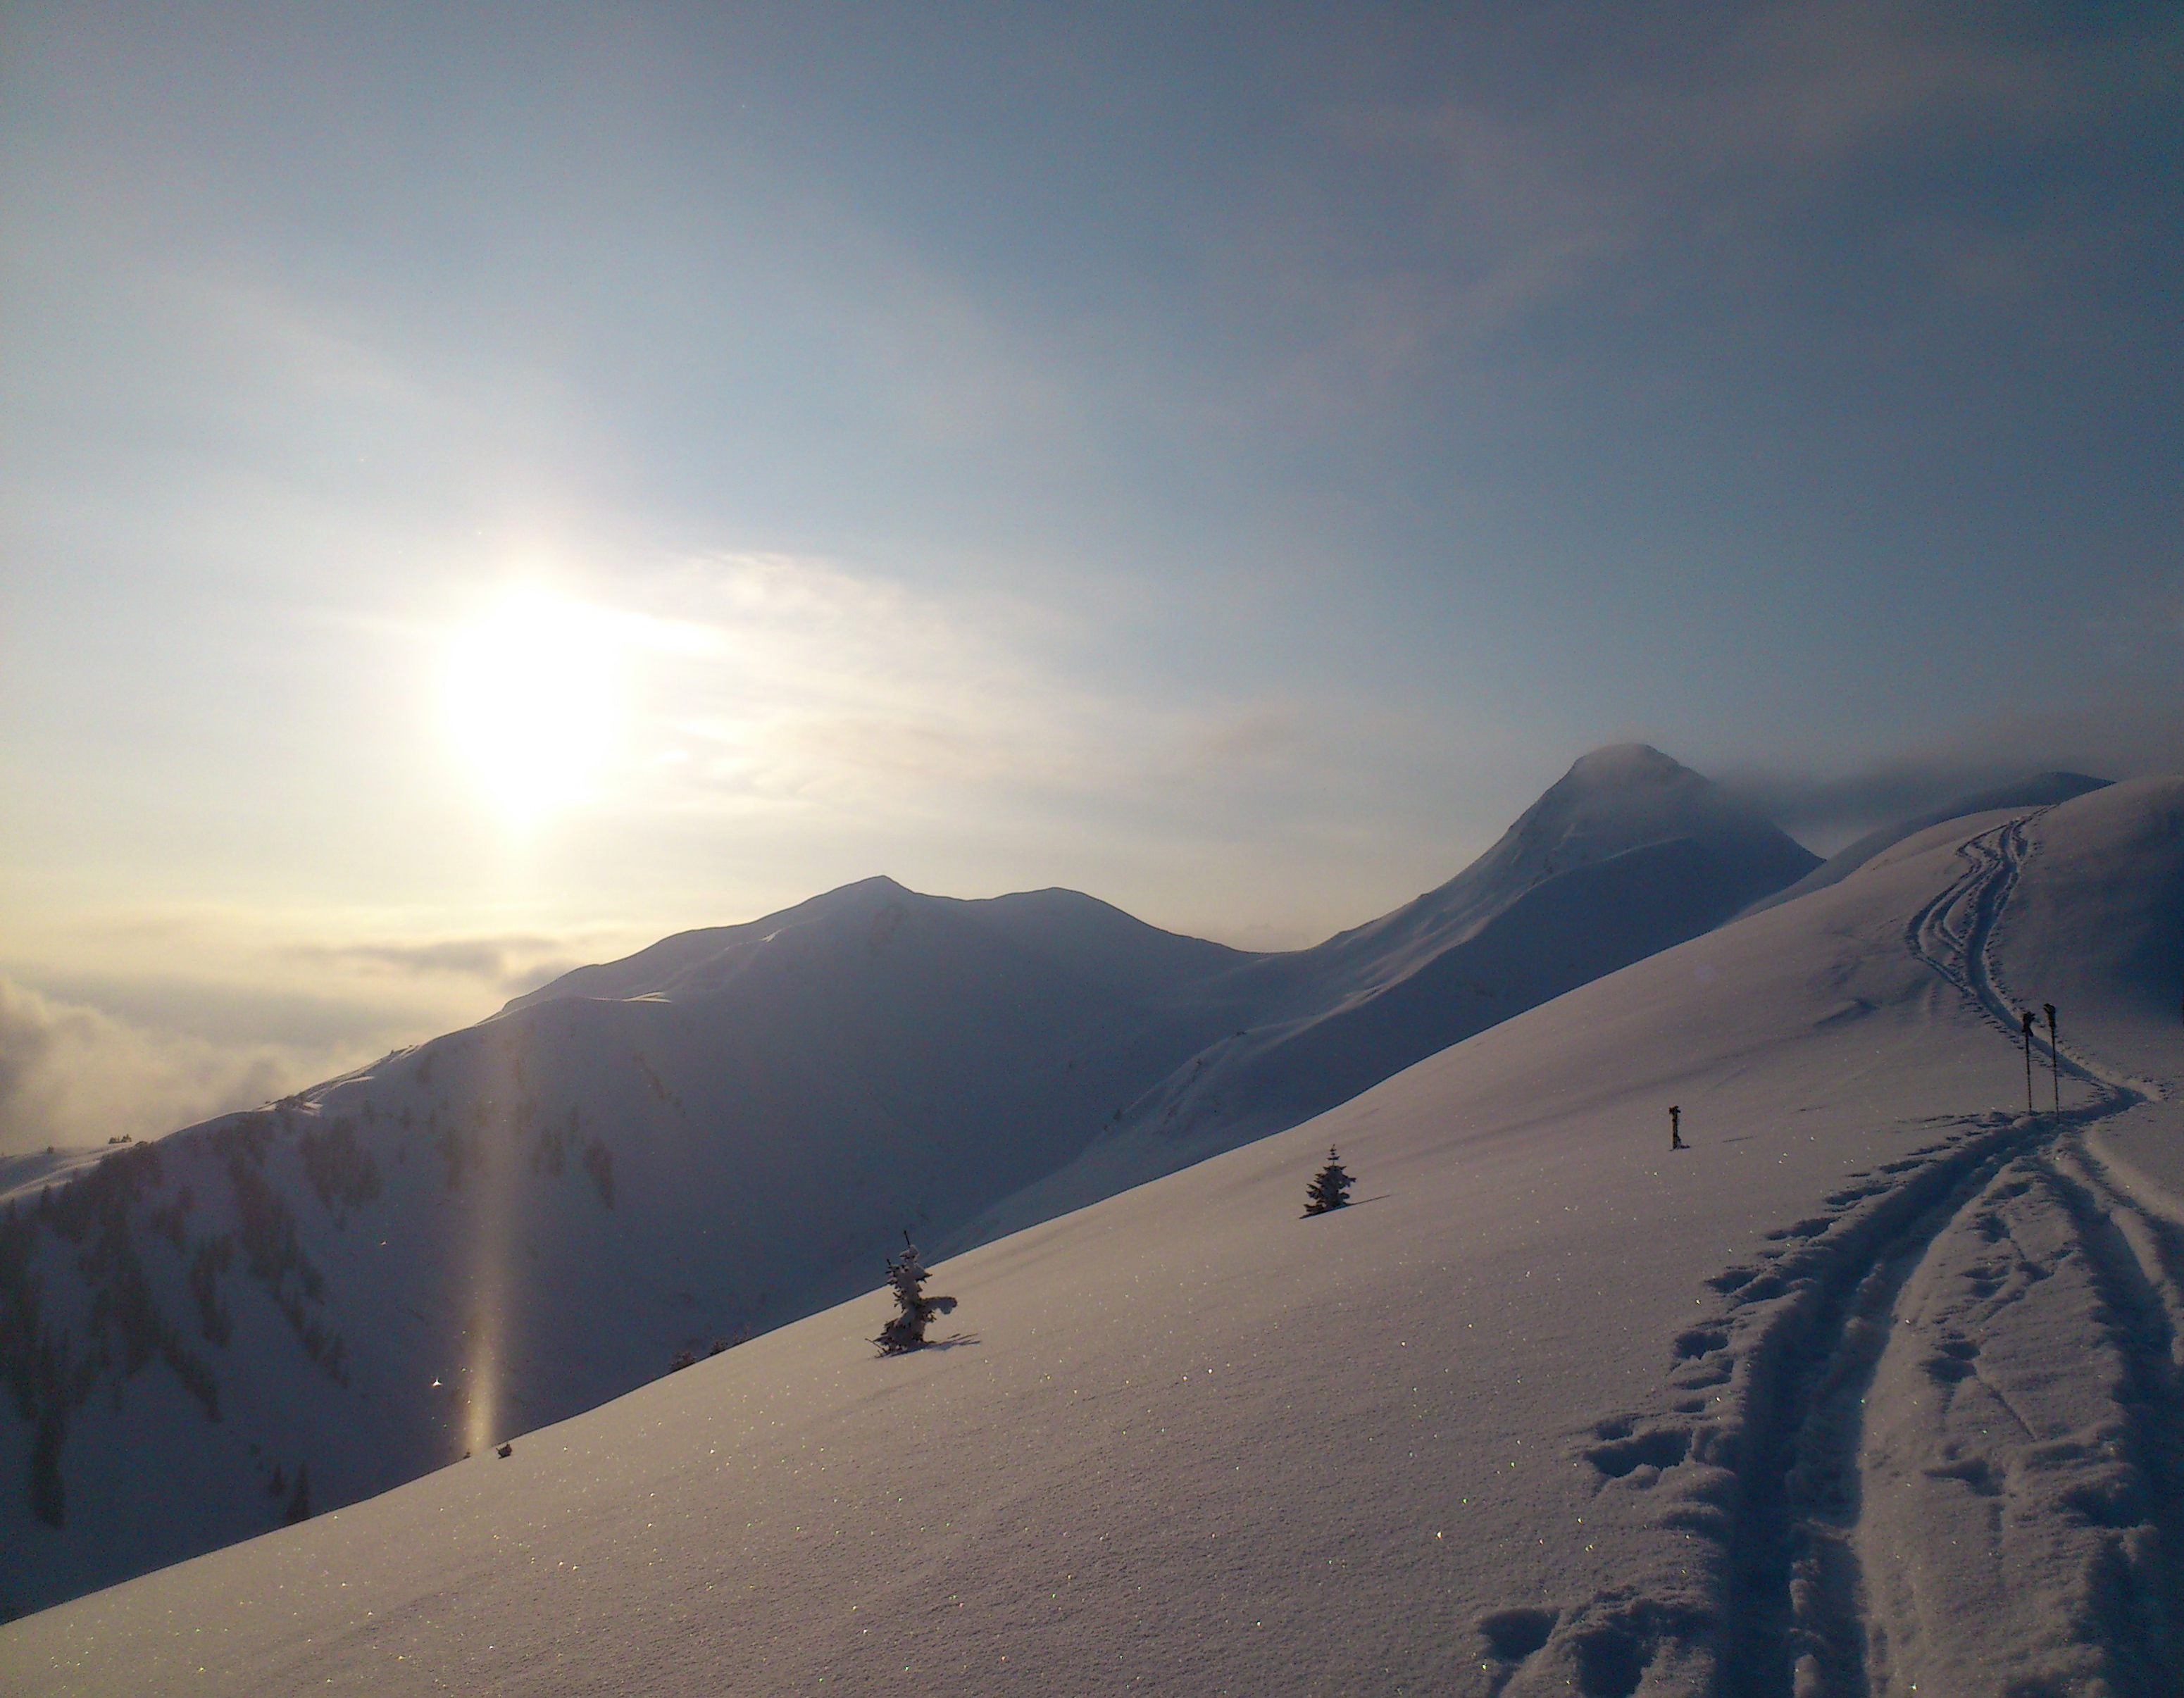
1875 1386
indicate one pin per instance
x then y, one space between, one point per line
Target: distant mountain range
289 1309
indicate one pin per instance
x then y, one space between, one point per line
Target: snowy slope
22 1175
2041 790
656 1155
519 1221
1874 1388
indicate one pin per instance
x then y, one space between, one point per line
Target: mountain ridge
515 1221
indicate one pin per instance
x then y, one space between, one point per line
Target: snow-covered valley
1874 1388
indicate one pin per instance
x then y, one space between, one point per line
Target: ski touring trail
1953 934
1929 1442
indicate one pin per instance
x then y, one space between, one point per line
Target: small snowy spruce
907 1277
1330 1188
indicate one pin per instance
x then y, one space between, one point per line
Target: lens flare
492 1302
492 1308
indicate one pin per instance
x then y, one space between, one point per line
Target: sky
482 487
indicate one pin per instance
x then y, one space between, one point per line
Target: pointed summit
1626 853
1628 795
1625 798
1626 763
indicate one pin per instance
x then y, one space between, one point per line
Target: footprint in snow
1663 1447
1513 1636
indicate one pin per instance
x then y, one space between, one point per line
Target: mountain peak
858 893
1622 796
1626 798
1626 763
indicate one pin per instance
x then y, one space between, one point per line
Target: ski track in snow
1758 1451
1953 935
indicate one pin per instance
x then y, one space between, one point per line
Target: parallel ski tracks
1953 934
1795 1617
2137 1263
1756 1455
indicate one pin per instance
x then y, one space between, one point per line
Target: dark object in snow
1676 1128
687 1355
2028 1064
505 1451
299 1501
1329 1188
907 1332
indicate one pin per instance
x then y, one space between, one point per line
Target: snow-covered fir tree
1329 1188
906 1277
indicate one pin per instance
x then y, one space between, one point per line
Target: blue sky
1227 459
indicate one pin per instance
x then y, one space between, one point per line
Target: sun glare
532 694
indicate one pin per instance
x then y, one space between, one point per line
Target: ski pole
2054 1059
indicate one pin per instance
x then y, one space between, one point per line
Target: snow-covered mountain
1629 853
2039 790
1873 1389
725 1131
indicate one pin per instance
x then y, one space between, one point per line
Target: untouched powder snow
1875 1386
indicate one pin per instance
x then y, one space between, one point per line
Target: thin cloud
70 1075
2121 739
499 959
775 680
1849 803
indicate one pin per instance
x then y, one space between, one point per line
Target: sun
531 693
